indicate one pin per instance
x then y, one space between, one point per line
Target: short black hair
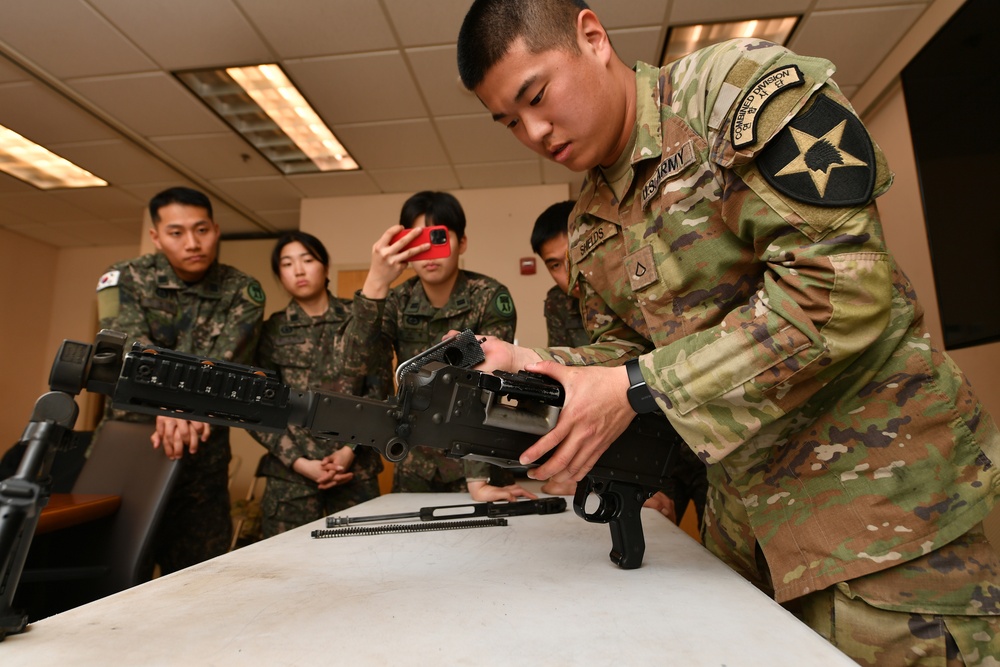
551 223
438 208
312 245
491 26
178 195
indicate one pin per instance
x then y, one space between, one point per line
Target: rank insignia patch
824 157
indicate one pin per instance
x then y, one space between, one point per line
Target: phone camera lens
439 237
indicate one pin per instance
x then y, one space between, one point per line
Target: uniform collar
210 286
458 300
295 316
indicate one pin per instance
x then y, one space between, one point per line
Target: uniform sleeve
555 323
825 294
119 307
237 340
499 317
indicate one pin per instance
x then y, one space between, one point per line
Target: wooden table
539 591
70 509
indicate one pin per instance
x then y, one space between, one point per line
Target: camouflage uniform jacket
219 316
779 336
410 324
563 321
316 353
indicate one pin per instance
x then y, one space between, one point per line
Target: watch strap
639 396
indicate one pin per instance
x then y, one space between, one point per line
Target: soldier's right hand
389 260
173 435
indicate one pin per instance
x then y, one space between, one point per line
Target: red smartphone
436 235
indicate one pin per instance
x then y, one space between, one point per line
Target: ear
155 235
463 243
591 35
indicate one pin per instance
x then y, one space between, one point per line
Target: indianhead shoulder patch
823 157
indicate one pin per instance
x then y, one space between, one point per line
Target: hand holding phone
436 235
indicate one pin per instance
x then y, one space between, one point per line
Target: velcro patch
255 292
823 157
109 279
670 166
504 304
640 267
594 238
760 94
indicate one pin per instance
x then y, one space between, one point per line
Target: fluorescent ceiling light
686 39
39 166
263 105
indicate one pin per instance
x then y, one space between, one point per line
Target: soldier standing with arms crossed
734 277
182 298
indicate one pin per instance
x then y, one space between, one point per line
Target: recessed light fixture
685 39
262 104
34 164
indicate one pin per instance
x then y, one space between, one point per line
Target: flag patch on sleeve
109 279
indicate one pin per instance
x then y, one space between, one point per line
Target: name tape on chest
672 164
744 128
593 239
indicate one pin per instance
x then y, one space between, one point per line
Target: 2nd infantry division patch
823 157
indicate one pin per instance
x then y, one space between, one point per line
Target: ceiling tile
152 104
54 237
415 180
843 4
107 203
409 143
423 23
118 162
878 28
87 44
98 233
9 72
478 139
261 194
334 184
358 88
10 184
618 14
503 174
686 12
320 27
39 207
231 222
436 72
217 155
283 220
46 117
187 34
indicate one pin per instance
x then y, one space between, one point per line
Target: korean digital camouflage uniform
219 317
563 321
746 263
314 353
408 322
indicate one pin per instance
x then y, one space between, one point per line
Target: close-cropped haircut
551 223
438 208
312 245
178 195
492 26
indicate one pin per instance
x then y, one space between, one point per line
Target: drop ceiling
91 80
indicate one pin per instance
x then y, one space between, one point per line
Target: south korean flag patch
109 279
823 157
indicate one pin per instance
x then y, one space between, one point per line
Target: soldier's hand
501 355
662 503
484 492
173 435
389 259
594 413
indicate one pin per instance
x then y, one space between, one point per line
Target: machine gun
441 402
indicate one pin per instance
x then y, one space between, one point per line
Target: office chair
113 554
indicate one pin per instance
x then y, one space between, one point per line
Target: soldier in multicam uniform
418 313
687 481
181 298
727 241
309 345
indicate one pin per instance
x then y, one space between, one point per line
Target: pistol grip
619 508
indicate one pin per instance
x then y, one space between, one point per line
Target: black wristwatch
638 394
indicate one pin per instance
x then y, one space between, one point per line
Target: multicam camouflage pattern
563 320
410 324
780 338
315 353
220 317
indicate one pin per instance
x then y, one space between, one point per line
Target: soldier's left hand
594 413
175 434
